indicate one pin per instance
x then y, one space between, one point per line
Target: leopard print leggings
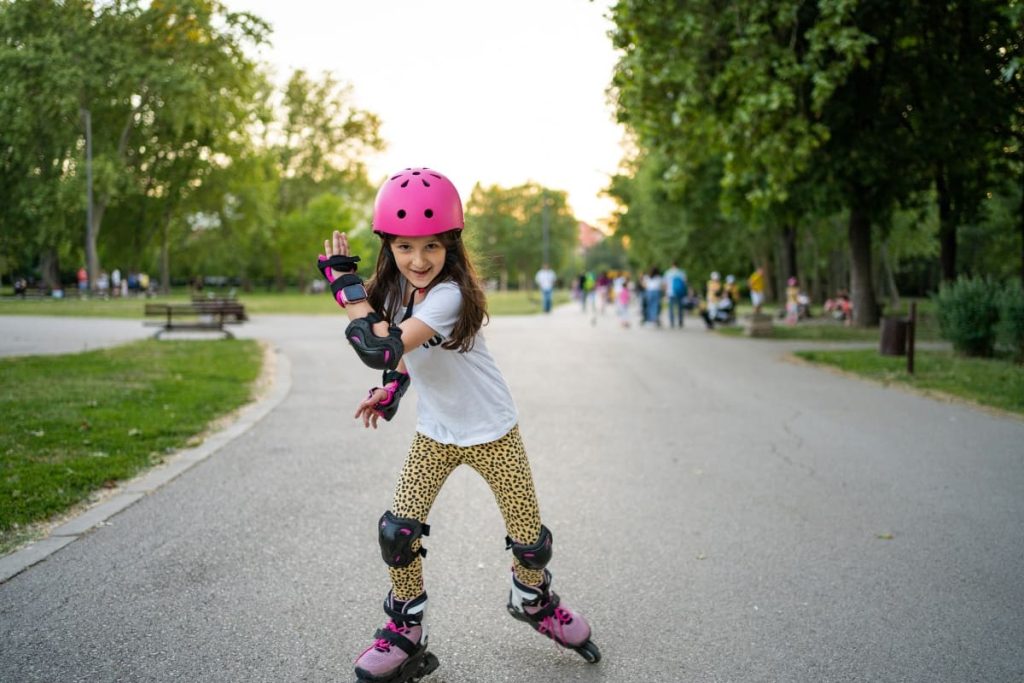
504 467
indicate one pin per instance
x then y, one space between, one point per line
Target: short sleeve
441 308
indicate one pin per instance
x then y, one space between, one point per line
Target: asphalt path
720 513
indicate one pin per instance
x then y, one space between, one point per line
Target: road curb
135 489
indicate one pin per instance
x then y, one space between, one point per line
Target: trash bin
760 325
894 337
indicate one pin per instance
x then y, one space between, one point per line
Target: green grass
76 423
821 328
256 303
990 382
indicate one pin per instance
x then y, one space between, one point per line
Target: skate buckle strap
392 634
342 264
548 610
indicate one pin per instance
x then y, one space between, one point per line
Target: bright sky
496 93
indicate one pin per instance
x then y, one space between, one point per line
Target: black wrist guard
380 353
395 383
346 265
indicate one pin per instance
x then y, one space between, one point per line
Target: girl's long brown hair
386 295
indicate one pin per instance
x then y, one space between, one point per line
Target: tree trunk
1020 225
92 257
49 268
947 227
789 251
888 277
165 256
865 307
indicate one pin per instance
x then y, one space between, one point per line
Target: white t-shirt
463 397
545 278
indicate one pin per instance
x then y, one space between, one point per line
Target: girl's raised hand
366 410
337 245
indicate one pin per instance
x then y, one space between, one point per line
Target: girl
419 319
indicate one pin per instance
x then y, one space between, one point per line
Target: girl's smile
419 259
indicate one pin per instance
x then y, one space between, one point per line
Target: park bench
206 315
228 305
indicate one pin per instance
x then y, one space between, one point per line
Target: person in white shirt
419 318
545 279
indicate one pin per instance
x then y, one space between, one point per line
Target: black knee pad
396 536
534 556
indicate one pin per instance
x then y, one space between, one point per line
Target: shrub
968 310
1011 320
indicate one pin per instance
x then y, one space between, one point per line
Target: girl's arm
414 332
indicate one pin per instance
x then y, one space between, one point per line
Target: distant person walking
83 281
675 279
545 279
588 283
622 294
792 301
714 294
756 284
654 289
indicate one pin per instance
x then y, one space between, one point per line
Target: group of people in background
656 290
113 284
107 285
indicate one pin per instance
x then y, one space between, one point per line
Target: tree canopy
190 146
794 111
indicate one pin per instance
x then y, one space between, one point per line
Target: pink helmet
417 202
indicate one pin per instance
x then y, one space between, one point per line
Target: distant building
587 236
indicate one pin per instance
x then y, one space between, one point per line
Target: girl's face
419 259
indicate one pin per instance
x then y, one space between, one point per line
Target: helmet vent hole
425 183
415 172
405 183
429 213
401 213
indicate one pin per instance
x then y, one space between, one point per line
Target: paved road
721 514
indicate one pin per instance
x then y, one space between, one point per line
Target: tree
505 227
317 139
809 105
1010 77
189 86
41 69
162 85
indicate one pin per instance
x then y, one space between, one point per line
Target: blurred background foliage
869 145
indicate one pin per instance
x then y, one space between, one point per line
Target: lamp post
545 228
91 262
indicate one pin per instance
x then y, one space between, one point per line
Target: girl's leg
505 468
399 650
425 470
